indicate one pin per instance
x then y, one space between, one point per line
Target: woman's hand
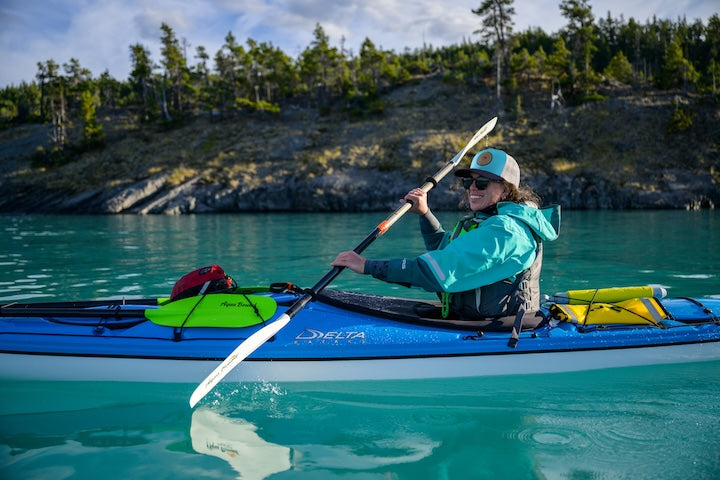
418 198
351 260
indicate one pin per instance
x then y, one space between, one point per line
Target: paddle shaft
382 227
70 313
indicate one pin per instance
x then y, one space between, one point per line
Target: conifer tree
677 70
229 62
280 75
497 25
77 80
272 71
200 79
93 134
141 78
522 63
619 68
582 32
556 66
319 67
110 90
176 75
371 63
53 97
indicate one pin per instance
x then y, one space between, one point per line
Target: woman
489 264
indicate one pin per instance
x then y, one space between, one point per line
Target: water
50 258
659 422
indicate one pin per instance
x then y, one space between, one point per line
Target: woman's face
481 199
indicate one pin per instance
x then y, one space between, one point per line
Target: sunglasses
480 183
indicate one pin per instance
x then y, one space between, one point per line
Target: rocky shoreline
352 191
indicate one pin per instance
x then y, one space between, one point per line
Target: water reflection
236 441
239 442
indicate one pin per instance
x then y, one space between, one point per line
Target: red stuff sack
201 281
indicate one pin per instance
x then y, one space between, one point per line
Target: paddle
215 310
254 341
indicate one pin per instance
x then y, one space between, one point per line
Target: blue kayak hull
326 342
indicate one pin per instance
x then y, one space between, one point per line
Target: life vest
498 299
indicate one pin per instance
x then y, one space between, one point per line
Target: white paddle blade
483 132
252 343
479 135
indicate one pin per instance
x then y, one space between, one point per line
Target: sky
99 32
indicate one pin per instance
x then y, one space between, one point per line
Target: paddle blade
483 132
479 135
252 343
222 310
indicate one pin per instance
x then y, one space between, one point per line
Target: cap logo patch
484 158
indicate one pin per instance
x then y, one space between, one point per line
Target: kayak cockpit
421 312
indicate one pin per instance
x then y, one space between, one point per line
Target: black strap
177 331
705 309
524 286
257 312
517 328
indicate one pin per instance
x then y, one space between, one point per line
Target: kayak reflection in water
489 264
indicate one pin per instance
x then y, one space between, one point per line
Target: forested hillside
605 105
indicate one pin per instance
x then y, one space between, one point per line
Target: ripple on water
613 443
626 433
546 436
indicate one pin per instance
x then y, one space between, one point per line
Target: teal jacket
503 245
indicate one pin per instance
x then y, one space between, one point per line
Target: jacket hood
544 222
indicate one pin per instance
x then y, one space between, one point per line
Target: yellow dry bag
608 295
636 311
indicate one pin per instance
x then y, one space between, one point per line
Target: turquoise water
659 422
51 258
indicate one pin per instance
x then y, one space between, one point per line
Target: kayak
342 335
